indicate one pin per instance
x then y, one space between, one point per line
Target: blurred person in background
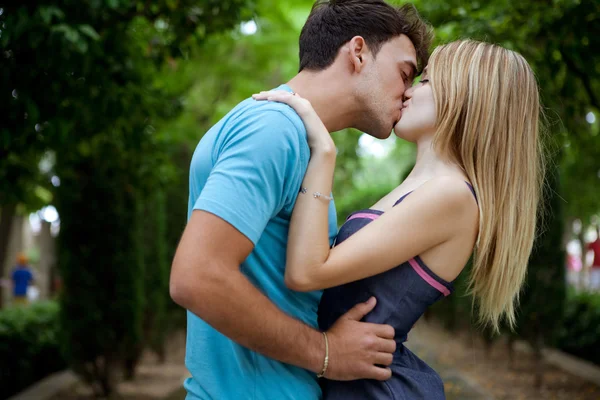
594 247
22 278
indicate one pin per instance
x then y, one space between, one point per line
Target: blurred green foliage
85 88
580 332
113 95
559 38
29 345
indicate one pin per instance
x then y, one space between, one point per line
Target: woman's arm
437 211
308 237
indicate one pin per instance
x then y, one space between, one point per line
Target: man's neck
331 99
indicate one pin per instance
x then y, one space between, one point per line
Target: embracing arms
206 279
431 215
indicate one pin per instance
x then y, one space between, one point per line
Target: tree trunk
130 368
162 354
488 343
132 361
510 348
583 274
539 361
6 222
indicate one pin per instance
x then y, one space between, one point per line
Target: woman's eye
423 81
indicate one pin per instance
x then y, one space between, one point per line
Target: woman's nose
408 93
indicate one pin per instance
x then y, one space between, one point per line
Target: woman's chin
409 131
400 131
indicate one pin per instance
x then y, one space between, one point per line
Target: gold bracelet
316 195
326 361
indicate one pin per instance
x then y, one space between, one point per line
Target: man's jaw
399 118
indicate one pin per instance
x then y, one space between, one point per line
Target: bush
156 276
29 345
580 332
360 199
176 198
101 263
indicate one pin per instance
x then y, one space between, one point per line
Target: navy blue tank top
403 294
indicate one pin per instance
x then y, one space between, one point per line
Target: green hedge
359 199
580 331
29 346
101 261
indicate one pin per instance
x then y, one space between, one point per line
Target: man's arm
206 279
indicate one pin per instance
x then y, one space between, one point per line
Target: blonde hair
488 121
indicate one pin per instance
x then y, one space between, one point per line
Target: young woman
475 188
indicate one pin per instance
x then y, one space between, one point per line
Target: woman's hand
319 139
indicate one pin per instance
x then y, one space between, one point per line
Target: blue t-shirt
21 277
247 170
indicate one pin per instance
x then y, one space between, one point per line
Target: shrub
580 332
101 263
29 345
359 199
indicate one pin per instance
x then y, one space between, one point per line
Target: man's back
248 170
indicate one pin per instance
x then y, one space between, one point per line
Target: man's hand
357 348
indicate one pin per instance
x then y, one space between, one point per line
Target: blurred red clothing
595 247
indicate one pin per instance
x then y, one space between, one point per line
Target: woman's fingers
301 105
274 95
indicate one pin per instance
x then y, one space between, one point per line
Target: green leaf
48 12
68 32
89 31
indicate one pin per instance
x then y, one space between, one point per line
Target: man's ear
358 53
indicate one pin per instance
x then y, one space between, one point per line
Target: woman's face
418 114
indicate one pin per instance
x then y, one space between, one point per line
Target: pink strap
427 278
364 215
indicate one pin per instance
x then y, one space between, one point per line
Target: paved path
458 385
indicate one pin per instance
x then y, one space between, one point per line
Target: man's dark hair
332 23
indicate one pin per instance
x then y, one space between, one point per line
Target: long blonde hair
488 121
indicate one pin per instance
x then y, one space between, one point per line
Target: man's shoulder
268 126
251 112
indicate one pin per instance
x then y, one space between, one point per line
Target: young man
249 337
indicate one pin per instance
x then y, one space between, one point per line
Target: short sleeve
257 168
